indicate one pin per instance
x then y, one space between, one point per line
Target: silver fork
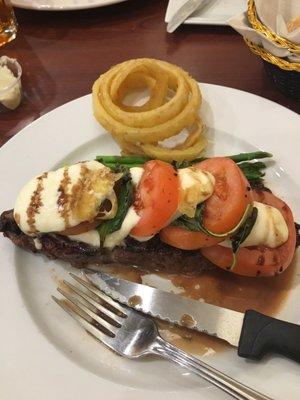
133 335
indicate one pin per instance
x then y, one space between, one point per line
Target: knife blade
216 321
254 334
183 13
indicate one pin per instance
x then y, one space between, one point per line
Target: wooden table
62 53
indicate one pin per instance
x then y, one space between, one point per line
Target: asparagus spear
250 156
252 170
122 159
131 161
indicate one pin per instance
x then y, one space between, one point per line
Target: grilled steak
152 255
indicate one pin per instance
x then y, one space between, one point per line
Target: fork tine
96 306
103 324
84 323
97 292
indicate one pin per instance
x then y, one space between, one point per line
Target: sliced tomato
186 240
232 193
259 261
157 198
223 210
80 228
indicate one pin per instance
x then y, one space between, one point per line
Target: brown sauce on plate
188 321
220 288
191 341
236 292
135 301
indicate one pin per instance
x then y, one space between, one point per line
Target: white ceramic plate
217 12
62 5
44 353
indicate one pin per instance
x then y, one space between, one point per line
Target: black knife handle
261 335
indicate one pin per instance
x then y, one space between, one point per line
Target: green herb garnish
195 224
241 235
125 199
192 224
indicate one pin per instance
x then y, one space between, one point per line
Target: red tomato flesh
187 240
80 228
232 193
259 261
156 199
223 210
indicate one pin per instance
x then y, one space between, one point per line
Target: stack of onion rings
139 129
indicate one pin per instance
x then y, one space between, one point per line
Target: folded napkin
281 17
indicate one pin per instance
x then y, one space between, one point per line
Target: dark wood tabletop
62 53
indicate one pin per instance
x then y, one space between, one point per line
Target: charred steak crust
10 229
155 255
150 256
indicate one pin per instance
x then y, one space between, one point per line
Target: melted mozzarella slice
117 237
142 238
196 186
57 200
136 174
270 228
91 237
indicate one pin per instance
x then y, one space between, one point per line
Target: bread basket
283 73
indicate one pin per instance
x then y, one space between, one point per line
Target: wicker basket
283 73
288 82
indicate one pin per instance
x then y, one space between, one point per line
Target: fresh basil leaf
241 235
192 224
125 199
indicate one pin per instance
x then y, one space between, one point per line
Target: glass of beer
8 23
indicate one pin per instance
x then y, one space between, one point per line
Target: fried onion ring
173 105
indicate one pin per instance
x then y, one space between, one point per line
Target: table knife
183 13
253 333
